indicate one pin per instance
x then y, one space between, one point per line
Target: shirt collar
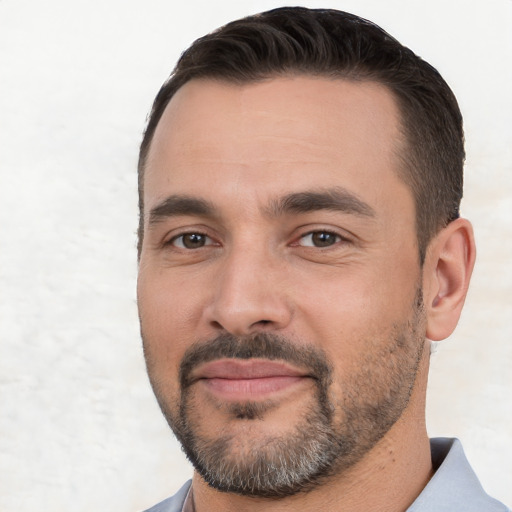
454 486
188 504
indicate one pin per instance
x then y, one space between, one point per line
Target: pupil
193 241
323 239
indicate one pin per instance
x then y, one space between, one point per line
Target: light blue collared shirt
453 488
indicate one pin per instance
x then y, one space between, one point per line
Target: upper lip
245 369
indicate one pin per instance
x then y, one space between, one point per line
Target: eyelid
174 239
341 237
337 238
170 239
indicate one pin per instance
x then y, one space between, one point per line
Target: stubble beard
330 435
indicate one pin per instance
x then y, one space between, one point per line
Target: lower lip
250 389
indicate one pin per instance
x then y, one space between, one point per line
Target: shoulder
174 503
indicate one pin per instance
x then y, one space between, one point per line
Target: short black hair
335 44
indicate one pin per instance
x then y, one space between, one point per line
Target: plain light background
79 427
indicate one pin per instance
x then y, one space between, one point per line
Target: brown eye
191 241
319 239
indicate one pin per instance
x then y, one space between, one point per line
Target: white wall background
79 427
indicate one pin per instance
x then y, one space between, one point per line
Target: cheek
166 301
353 311
166 320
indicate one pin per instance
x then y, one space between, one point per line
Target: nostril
237 330
263 322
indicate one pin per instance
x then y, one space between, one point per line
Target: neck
388 478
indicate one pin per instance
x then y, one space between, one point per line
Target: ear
446 274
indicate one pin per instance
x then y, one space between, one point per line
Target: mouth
242 380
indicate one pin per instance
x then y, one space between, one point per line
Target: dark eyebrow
337 199
177 205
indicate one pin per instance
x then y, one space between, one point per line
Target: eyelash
337 239
174 239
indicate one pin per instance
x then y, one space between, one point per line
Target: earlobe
447 271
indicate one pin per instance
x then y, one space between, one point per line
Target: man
300 245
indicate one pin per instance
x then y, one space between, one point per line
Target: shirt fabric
453 488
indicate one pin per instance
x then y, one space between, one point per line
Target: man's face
279 286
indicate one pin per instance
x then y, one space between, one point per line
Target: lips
247 379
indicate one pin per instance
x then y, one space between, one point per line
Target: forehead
273 135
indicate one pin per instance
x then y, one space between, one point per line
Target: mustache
261 345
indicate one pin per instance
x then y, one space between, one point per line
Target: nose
250 294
